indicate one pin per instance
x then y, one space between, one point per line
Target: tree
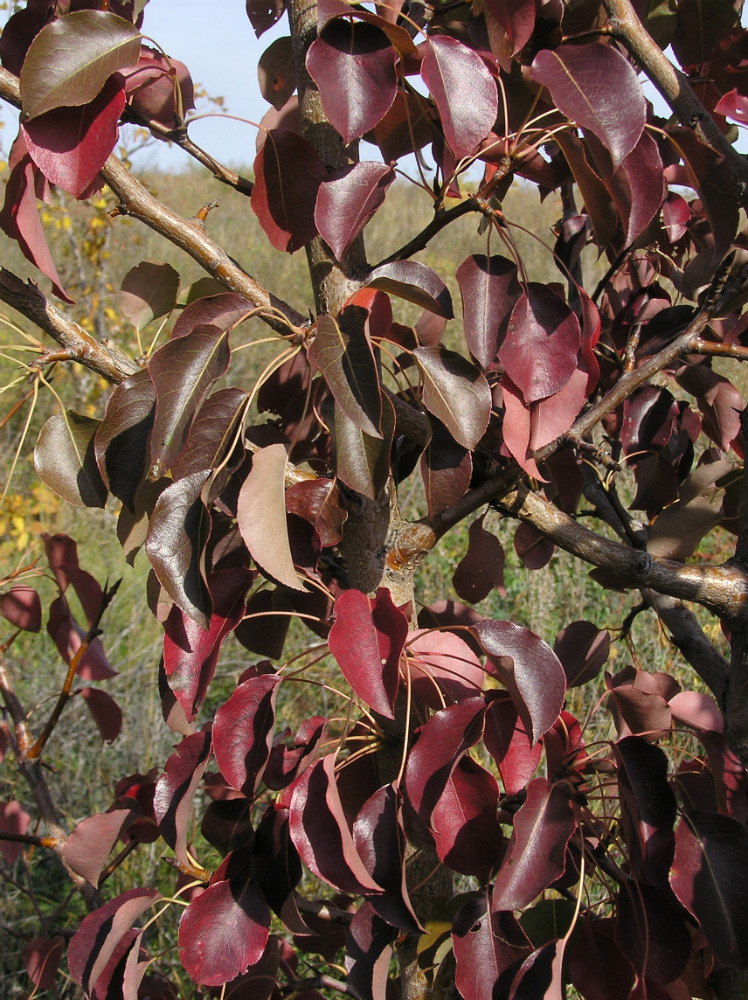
458 834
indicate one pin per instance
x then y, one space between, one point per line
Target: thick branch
109 362
674 87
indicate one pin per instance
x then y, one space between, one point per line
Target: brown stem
29 838
442 218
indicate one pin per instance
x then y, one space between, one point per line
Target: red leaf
464 821
353 64
530 671
243 731
175 791
596 966
541 347
275 72
320 832
13 819
537 851
71 145
582 649
553 416
489 290
446 469
481 569
456 392
369 950
517 18
597 87
464 91
288 174
648 808
89 845
105 712
517 426
486 945
414 282
651 931
506 740
22 607
150 86
441 666
366 640
346 201
68 636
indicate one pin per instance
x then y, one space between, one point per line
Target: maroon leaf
446 469
224 311
414 282
342 352
366 640
540 975
22 607
243 730
121 442
464 821
363 462
517 427
464 91
517 18
488 947
13 819
651 931
489 290
105 712
150 86
532 547
182 371
320 832
346 201
65 460
275 72
596 966
530 671
41 957
455 392
710 878
89 845
582 649
353 64
369 951
149 291
68 635
506 740
212 432
537 850
481 569
590 84
264 13
441 666
261 516
97 939
175 791
224 930
639 186
541 347
699 28
288 174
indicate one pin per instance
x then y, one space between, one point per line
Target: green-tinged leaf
71 59
455 392
149 290
261 515
182 371
363 462
64 459
342 352
176 538
121 443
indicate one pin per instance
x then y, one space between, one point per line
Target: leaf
41 958
582 649
464 821
481 569
288 174
446 469
537 851
224 930
517 18
346 201
177 535
542 343
362 462
264 13
441 665
150 86
353 64
366 640
13 819
89 845
541 977
105 712
149 291
487 947
369 950
100 933
320 832
212 433
596 966
261 516
67 635
182 371
700 27
414 282
489 290
710 878
597 199
71 145
464 91
222 310
651 931
64 459
455 392
507 741
530 671
275 72
342 352
71 59
22 607
121 442
595 86
175 791
243 732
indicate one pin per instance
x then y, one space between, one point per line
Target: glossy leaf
212 432
346 201
366 640
275 72
64 459
414 282
591 84
488 947
455 392
175 792
507 741
464 821
71 59
441 665
464 91
89 845
121 442
582 649
243 730
353 64
149 291
489 289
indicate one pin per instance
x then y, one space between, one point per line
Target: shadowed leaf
243 731
22 607
64 459
489 290
175 791
414 282
455 392
149 291
347 200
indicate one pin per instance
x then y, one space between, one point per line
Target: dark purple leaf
455 392
278 868
68 636
481 569
13 819
540 975
517 19
464 91
89 845
369 948
363 462
353 64
637 711
175 791
287 762
212 432
275 72
288 174
446 469
533 549
464 821
64 459
595 86
342 352
582 649
224 311
366 640
597 199
488 947
121 442
71 59
651 931
414 282
540 350
700 27
62 556
347 200
22 607
19 31
149 291
710 878
530 671
243 731
264 13
105 712
489 290
150 86
537 851
639 187
321 834
596 966
41 958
